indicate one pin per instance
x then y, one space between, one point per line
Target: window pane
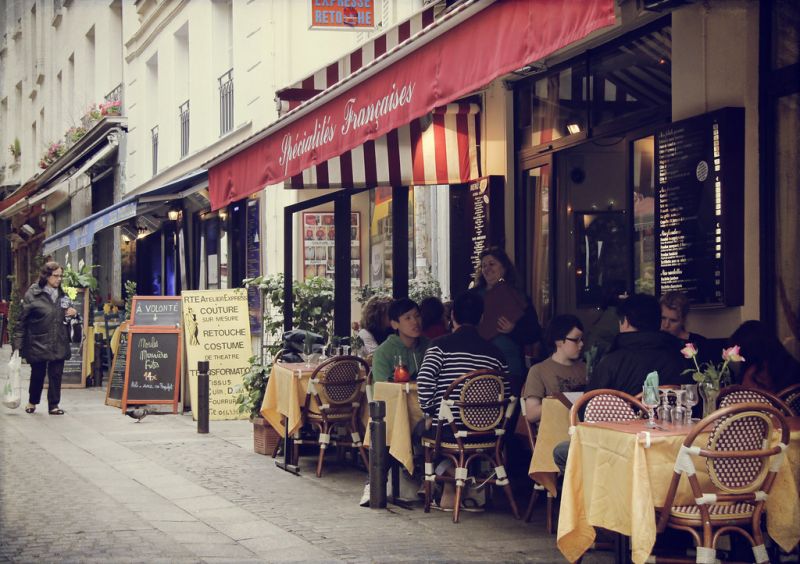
538 188
431 234
634 78
644 204
786 33
552 107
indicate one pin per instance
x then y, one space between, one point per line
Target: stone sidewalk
95 486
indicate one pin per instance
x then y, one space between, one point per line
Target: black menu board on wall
699 208
74 375
253 264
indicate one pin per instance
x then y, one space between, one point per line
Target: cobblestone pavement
94 486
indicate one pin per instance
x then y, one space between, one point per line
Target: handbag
12 396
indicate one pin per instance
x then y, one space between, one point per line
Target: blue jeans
560 453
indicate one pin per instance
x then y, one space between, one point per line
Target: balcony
225 102
183 113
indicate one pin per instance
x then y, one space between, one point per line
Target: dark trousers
53 369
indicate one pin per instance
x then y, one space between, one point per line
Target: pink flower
689 351
732 354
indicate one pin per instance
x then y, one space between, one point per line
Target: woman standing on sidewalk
41 335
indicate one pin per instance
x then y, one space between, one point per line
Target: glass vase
709 392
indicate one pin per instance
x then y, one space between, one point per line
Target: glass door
535 248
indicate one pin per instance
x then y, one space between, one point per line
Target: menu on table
699 201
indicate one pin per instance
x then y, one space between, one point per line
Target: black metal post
202 396
377 455
342 293
400 234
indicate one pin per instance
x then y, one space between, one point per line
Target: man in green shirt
408 343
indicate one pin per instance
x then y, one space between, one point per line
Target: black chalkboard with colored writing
116 383
156 311
153 366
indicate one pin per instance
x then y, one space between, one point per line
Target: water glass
679 412
650 401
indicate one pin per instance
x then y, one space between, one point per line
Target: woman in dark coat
41 335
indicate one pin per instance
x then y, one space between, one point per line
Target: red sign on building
343 14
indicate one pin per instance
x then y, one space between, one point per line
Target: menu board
75 372
152 366
116 382
156 311
699 208
319 253
253 265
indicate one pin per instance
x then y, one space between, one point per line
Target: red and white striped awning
439 148
464 50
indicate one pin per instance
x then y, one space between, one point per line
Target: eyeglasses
57 276
575 340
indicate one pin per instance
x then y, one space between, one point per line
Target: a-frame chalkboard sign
116 381
156 311
153 364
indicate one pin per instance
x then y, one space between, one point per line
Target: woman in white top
375 325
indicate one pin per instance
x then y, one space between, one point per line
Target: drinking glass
650 400
308 349
690 397
663 411
679 412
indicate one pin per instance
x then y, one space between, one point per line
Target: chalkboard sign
153 366
116 383
74 375
156 311
253 265
699 208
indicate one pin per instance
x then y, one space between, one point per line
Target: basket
265 438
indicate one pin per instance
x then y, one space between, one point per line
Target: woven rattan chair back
340 380
481 402
791 397
743 431
730 395
606 405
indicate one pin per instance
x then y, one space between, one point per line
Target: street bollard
202 396
377 455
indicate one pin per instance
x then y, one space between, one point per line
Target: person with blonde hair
41 335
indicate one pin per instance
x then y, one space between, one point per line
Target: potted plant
15 149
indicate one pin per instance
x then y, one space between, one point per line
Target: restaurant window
210 251
538 198
644 205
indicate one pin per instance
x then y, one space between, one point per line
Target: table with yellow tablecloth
402 414
613 480
285 396
553 429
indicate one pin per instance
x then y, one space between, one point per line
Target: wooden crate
265 438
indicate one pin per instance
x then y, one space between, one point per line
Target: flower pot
265 438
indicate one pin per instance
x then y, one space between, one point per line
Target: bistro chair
337 387
730 395
741 469
479 397
791 397
606 405
530 429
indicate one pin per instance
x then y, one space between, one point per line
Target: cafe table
617 475
553 429
402 414
285 396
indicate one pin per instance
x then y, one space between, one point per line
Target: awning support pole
399 241
342 292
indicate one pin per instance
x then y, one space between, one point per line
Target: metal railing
183 112
154 140
115 95
225 102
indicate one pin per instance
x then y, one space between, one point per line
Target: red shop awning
458 54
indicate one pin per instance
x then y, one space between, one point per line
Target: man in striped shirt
451 356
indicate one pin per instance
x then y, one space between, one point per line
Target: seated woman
767 365
375 323
564 371
433 321
408 344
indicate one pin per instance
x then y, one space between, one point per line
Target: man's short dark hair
468 308
560 327
404 305
642 311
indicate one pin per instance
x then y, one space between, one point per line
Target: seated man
451 356
674 313
638 349
563 371
408 343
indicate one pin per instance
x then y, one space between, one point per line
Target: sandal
30 408
56 411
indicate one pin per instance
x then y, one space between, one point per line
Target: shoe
30 408
56 411
471 505
435 505
365 496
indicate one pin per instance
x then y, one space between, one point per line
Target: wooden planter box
265 438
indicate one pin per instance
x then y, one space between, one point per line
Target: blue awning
82 233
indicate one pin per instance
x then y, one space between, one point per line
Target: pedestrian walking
42 336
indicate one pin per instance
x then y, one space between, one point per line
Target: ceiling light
573 128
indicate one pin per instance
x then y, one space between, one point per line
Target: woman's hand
504 325
71 311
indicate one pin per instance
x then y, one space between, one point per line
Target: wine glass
680 413
650 400
308 350
663 411
690 397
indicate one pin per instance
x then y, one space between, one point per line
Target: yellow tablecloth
402 414
553 429
613 481
286 395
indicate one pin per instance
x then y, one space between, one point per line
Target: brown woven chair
730 395
791 397
742 471
484 410
337 386
606 405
